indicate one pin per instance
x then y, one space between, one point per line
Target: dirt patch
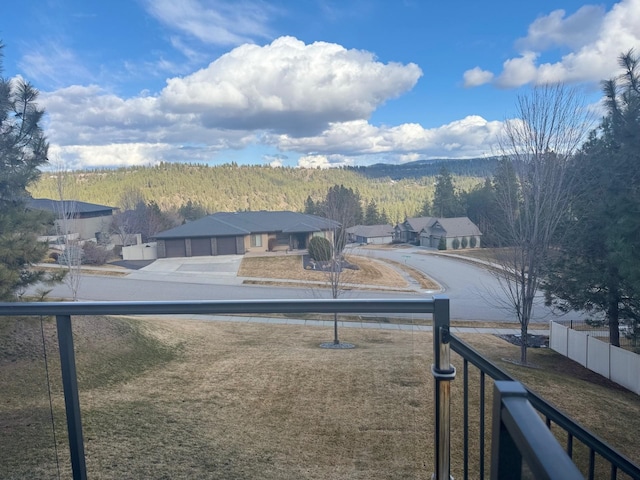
370 271
533 341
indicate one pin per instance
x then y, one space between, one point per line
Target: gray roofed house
87 219
371 234
461 228
233 233
409 230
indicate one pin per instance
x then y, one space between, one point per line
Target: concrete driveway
221 267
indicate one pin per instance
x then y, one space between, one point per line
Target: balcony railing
519 436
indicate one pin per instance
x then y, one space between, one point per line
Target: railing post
506 459
71 398
443 373
520 434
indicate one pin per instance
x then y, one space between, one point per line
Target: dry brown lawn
213 400
289 267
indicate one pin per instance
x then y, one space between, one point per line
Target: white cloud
556 29
286 95
472 136
214 22
518 71
476 76
120 155
288 86
324 161
596 38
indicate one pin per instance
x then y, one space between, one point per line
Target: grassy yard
213 400
371 271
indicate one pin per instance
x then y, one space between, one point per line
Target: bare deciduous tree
66 229
343 206
550 126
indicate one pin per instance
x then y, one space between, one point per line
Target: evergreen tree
426 209
446 203
343 205
23 148
371 215
191 211
310 206
596 269
480 208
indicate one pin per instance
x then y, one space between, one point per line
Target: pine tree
445 202
596 269
23 148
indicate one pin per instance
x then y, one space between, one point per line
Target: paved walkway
406 327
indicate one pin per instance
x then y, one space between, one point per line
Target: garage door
200 247
226 246
175 248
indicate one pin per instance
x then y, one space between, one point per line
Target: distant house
409 230
461 228
88 220
370 234
226 233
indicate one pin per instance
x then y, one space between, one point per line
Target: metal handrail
550 411
520 434
63 311
219 307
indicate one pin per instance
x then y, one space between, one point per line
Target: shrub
464 243
320 249
271 243
442 244
95 254
456 243
473 242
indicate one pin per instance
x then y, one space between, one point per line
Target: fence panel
577 347
598 356
558 338
625 369
614 363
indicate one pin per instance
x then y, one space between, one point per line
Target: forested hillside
230 187
471 167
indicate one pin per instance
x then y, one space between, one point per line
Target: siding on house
371 234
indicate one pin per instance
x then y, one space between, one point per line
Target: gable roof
76 206
244 223
455 227
371 231
418 223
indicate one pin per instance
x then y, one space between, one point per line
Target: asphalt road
475 294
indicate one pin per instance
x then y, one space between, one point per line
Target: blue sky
299 83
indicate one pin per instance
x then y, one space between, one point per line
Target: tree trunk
613 320
523 346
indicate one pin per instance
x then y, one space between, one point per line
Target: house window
256 240
318 234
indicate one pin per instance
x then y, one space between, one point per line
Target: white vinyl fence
617 364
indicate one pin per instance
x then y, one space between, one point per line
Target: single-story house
461 228
409 230
88 220
227 233
370 234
